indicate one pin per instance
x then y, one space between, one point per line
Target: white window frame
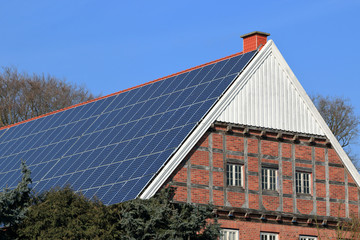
300 180
269 178
269 236
303 237
233 171
229 234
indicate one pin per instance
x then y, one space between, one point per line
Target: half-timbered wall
202 176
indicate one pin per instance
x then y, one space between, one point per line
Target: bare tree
348 229
23 96
340 116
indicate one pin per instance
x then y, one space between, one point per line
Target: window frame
231 182
267 235
270 185
306 237
228 231
302 188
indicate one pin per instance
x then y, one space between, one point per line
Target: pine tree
64 214
160 218
14 204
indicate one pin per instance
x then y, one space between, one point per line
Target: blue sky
113 45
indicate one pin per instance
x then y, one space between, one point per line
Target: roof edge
185 147
253 33
122 91
212 115
349 166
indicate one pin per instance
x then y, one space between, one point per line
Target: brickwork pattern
206 169
251 231
234 149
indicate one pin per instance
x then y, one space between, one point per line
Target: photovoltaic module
112 147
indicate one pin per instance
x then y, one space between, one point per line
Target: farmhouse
239 133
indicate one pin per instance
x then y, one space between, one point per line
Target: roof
272 98
255 32
112 147
267 95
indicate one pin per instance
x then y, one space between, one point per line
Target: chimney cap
253 33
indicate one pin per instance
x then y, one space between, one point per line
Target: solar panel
111 148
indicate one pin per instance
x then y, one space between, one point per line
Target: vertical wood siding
270 100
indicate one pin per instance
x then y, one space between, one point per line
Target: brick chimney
253 40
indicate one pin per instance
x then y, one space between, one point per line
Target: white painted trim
270 234
204 125
270 100
343 156
224 101
225 233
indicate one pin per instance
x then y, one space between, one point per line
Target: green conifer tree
14 203
160 218
64 214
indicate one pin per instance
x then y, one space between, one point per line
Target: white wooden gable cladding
270 99
266 94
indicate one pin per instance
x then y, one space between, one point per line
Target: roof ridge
122 91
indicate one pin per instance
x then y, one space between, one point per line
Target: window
234 175
303 182
269 178
269 236
229 234
307 238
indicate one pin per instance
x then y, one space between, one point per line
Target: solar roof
112 147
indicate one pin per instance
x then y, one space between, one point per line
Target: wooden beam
296 138
324 223
263 134
246 131
229 129
215 212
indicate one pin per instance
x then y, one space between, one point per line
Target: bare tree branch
340 116
23 96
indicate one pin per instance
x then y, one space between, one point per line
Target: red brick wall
252 230
251 43
206 166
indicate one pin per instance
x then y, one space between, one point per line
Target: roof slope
260 96
114 146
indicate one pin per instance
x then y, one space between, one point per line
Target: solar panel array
112 147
